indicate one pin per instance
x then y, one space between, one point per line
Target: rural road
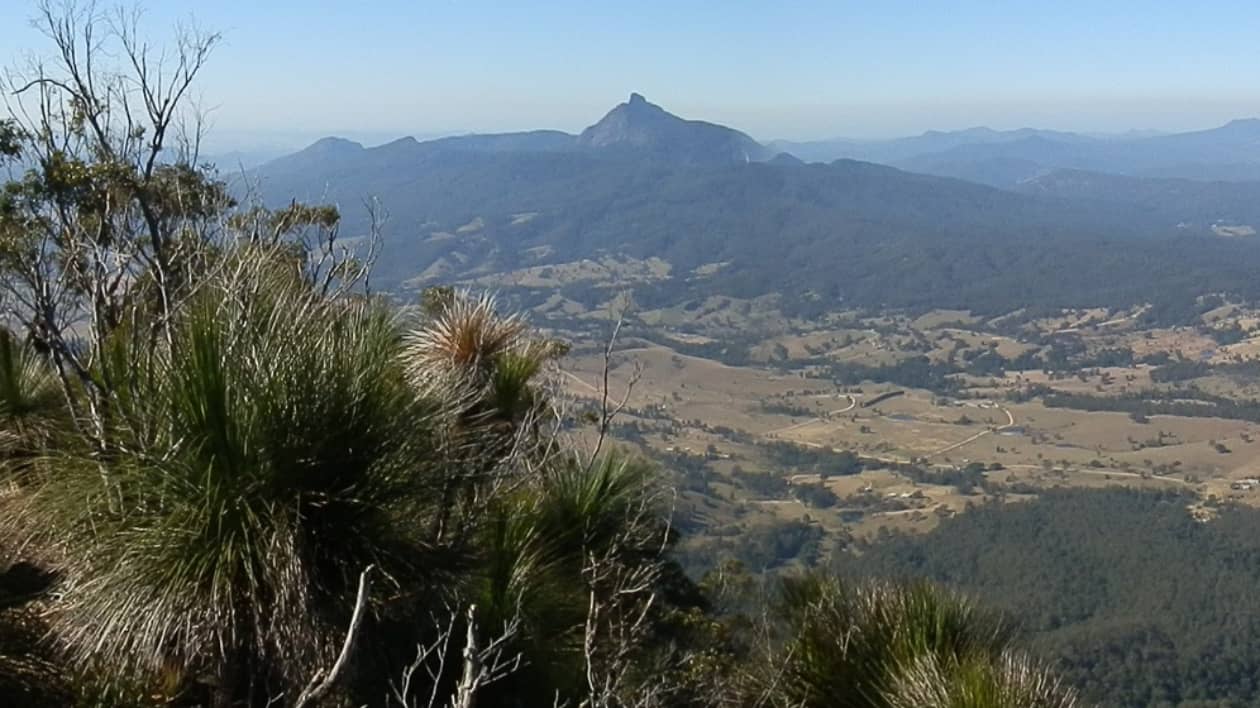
1108 323
580 381
1113 473
1010 421
820 419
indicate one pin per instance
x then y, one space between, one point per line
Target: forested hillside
643 184
840 235
1140 603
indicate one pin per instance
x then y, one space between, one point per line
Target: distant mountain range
635 129
997 158
726 215
1003 158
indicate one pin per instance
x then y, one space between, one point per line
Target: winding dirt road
819 419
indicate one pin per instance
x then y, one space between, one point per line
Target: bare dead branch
481 666
609 409
321 682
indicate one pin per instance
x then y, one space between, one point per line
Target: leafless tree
610 408
114 221
621 585
480 665
109 209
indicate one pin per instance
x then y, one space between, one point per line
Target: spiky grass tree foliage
496 359
850 645
32 407
491 365
32 415
1011 680
544 535
572 530
264 459
608 505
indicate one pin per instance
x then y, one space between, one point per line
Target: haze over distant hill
635 129
898 149
1004 158
720 216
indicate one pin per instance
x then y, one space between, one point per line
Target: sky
290 71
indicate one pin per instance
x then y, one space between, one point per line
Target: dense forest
1139 603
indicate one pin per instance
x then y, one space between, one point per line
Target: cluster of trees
912 372
1186 401
1138 603
821 461
1057 354
1179 370
230 475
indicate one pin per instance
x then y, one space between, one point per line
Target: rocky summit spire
646 127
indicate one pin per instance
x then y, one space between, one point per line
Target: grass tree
887 645
260 464
576 558
1012 679
32 406
492 366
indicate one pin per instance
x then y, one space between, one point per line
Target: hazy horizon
812 71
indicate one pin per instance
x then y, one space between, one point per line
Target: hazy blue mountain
1229 152
635 130
236 160
1235 142
321 156
641 126
638 129
533 140
1007 163
786 158
1006 158
642 183
900 149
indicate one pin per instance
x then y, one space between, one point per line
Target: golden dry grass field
732 421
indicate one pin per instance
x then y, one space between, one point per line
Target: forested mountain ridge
643 183
1201 202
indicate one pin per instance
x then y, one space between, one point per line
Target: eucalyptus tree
111 209
113 218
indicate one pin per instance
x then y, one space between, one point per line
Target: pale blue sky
805 69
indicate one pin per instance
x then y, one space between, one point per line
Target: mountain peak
334 144
1248 124
643 126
